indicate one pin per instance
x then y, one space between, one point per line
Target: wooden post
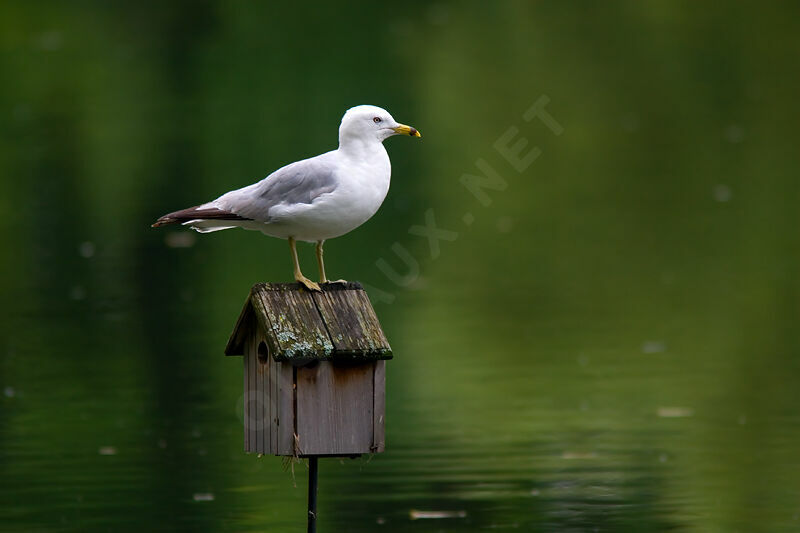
312 494
315 374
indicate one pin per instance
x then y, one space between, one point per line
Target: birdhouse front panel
336 408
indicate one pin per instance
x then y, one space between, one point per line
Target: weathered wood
353 327
379 407
334 408
265 396
297 327
338 324
273 405
259 395
252 360
286 416
314 367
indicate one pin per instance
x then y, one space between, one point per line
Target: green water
605 340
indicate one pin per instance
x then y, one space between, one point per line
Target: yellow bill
402 129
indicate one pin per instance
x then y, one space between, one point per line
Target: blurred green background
610 345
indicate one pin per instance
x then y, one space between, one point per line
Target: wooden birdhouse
314 370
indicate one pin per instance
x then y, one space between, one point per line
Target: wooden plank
379 407
251 369
286 428
258 396
265 396
334 409
350 320
273 405
298 332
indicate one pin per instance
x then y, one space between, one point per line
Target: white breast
364 179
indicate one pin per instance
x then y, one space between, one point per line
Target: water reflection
608 345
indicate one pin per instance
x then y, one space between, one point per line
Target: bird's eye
376 120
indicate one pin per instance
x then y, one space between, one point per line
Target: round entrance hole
263 353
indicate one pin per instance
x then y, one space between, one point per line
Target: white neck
360 147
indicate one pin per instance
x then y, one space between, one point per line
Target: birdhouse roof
337 324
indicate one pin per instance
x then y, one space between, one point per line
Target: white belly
358 197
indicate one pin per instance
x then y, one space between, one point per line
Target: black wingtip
163 221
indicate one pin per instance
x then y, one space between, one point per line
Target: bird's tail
166 220
197 213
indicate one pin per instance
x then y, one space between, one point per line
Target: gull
315 199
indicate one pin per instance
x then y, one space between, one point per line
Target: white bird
314 199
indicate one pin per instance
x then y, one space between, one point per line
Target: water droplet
203 497
417 515
675 412
630 122
505 224
654 347
49 40
86 249
734 133
77 293
721 193
183 239
578 455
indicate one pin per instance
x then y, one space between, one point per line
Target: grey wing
297 183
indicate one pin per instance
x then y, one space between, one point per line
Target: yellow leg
321 263
298 276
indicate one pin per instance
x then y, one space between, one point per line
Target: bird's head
371 123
